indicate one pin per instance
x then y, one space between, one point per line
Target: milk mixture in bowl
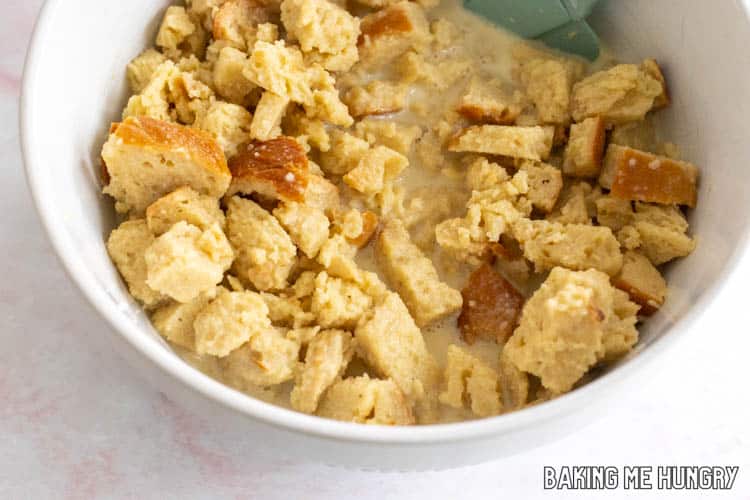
390 212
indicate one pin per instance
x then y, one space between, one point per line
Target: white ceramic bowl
74 86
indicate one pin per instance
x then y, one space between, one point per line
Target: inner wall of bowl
78 87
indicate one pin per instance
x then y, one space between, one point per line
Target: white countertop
76 422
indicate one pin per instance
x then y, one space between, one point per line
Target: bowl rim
287 419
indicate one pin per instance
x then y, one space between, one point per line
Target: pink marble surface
76 423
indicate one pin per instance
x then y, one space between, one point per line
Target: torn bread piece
320 26
327 356
393 346
268 358
307 226
338 303
621 94
651 67
379 132
360 231
265 252
642 281
470 382
186 261
275 169
413 275
229 81
366 401
229 124
636 175
174 321
564 326
585 148
141 70
236 22
662 232
545 184
147 158
377 167
127 246
269 112
388 33
548 84
574 246
487 102
228 321
376 98
491 307
530 143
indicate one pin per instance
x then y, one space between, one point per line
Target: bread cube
469 380
320 25
268 358
413 275
229 124
275 169
394 135
327 356
147 158
486 102
366 401
642 281
621 94
545 183
183 204
562 326
377 167
229 321
127 246
266 123
620 333
574 246
187 261
388 33
548 83
376 98
636 175
585 149
265 252
174 321
491 307
307 226
530 143
338 303
392 345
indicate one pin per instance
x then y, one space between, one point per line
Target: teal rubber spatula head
560 24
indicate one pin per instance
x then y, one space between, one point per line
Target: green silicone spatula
560 24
